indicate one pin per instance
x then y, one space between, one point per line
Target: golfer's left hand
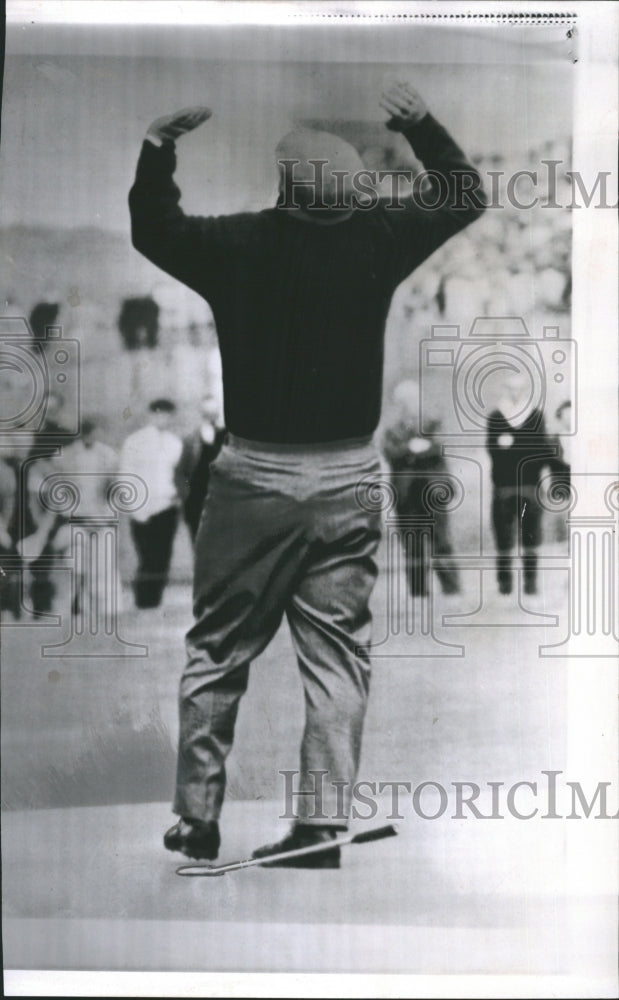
405 105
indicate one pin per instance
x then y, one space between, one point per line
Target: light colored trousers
282 533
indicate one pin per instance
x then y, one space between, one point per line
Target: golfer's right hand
169 128
405 105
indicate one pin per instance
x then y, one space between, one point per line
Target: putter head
207 870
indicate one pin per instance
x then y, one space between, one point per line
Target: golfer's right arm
160 230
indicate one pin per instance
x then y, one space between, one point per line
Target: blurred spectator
94 465
44 445
519 449
51 432
551 288
563 428
200 449
561 463
38 548
44 314
138 323
9 558
153 454
417 462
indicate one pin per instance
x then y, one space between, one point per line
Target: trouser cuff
190 802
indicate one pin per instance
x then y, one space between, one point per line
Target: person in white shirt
153 453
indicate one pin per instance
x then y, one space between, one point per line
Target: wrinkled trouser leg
208 711
330 623
247 556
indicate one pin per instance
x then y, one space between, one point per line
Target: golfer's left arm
457 198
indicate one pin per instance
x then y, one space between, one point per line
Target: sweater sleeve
186 247
455 200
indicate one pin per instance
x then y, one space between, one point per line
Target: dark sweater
300 308
520 463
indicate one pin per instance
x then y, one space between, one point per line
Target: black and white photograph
309 498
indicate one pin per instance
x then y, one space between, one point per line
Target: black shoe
193 838
303 836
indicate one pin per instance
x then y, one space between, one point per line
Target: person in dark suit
561 463
519 449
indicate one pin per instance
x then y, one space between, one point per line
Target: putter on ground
358 838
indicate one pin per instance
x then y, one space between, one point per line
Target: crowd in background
512 263
35 533
34 536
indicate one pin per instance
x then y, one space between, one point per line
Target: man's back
300 311
300 307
